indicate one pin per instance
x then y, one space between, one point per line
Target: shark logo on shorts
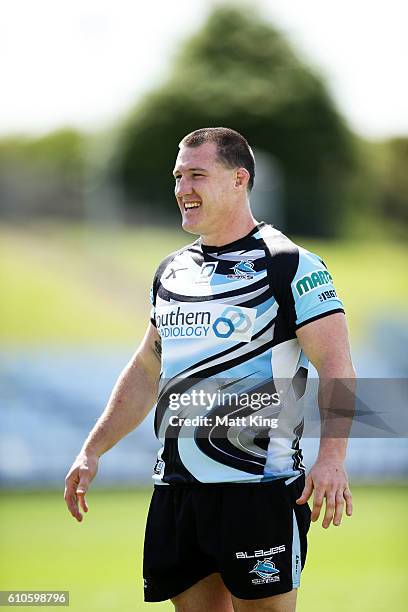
264 568
266 571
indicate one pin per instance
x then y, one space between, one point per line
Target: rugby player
241 309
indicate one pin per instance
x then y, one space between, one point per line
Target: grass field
72 284
359 567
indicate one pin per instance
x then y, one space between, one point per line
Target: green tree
239 71
394 179
380 187
42 176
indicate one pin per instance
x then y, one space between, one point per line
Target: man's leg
207 595
286 602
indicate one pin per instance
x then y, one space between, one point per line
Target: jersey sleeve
301 284
313 292
153 292
156 285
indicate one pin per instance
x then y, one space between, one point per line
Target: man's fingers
349 501
70 496
330 507
317 503
339 508
73 507
72 504
82 500
307 491
82 488
77 484
76 513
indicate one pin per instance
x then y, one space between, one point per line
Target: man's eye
197 174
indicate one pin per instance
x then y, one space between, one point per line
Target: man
240 310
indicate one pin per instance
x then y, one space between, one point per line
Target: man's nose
183 187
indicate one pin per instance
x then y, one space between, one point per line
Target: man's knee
208 594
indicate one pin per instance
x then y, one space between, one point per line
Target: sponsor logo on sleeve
313 280
327 295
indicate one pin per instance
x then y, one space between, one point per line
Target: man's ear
241 177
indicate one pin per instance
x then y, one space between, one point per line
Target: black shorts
253 534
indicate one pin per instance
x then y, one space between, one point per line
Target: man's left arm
326 344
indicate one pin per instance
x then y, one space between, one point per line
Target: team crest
266 571
243 269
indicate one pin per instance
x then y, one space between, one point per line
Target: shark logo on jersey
243 269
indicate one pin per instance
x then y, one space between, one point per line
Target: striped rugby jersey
227 317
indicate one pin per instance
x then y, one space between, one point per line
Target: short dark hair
233 149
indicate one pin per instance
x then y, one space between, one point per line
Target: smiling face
208 193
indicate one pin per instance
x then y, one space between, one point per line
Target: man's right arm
133 395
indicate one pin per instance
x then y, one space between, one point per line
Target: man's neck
233 232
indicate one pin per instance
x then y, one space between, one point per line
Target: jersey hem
319 316
246 483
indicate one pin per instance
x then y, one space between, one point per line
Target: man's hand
77 482
328 479
133 395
